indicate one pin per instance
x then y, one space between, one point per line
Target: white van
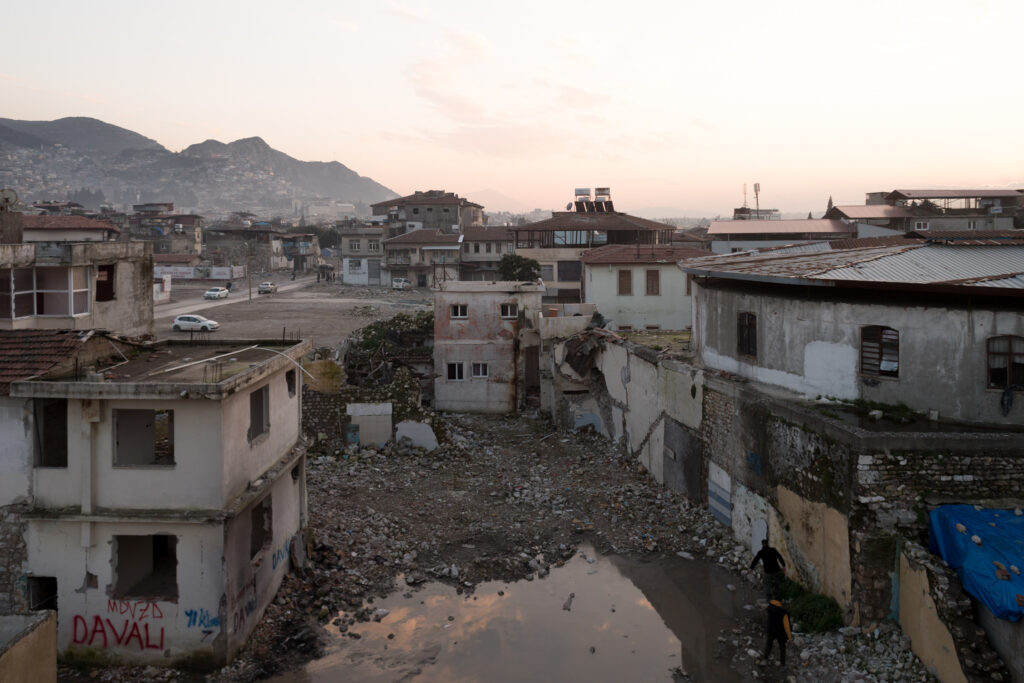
400 283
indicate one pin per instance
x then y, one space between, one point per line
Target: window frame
459 373
656 290
624 282
746 334
512 313
885 339
458 311
264 423
1010 355
479 370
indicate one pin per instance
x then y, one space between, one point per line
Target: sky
673 105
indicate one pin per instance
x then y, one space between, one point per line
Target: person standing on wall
773 564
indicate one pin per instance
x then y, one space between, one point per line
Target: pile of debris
377 350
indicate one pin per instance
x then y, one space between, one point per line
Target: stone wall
13 554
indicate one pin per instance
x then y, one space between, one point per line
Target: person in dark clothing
771 559
778 629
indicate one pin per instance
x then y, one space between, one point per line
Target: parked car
400 283
215 293
266 288
190 322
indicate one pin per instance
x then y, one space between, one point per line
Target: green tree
514 267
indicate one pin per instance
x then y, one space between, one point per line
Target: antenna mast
757 200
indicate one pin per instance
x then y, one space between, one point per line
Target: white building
157 493
476 328
639 286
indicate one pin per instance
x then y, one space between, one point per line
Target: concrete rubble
509 498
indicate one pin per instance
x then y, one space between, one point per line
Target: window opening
261 520
42 592
143 438
51 437
625 283
746 334
145 567
289 378
459 311
547 273
879 351
479 369
105 282
509 310
259 412
455 372
653 283
1005 362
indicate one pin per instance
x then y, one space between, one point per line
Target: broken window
289 378
653 283
746 334
261 521
143 438
509 310
42 592
1005 362
145 567
459 311
879 351
105 282
479 369
455 372
259 412
625 282
51 432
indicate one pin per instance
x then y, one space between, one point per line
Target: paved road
172 310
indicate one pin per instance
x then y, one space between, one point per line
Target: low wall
28 647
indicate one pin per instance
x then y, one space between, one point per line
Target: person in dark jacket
773 563
778 629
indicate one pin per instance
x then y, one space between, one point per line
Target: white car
400 283
191 322
215 293
266 288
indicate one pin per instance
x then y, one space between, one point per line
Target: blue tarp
1002 540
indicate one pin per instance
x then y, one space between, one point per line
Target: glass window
625 282
1005 362
455 371
479 369
746 334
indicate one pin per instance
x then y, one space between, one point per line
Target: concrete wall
820 535
93 624
16 449
353 276
243 460
1006 637
28 647
670 310
373 420
919 619
813 348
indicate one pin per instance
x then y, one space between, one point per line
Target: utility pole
248 266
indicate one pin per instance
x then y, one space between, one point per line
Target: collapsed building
832 401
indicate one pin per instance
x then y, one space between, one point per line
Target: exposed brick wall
13 555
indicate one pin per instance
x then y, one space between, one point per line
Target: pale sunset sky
671 104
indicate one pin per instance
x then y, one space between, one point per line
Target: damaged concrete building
152 493
834 398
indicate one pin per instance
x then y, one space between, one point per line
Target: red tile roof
425 236
640 253
25 353
601 221
65 223
488 233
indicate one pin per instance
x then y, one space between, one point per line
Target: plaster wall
47 235
374 420
495 393
355 276
681 388
16 449
33 655
929 637
813 348
93 623
819 537
669 310
252 580
245 460
1006 637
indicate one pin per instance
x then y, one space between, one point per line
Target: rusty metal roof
999 266
639 253
868 211
769 227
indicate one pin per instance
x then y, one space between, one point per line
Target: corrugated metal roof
951 194
865 211
813 225
915 263
639 253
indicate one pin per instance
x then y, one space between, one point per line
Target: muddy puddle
595 619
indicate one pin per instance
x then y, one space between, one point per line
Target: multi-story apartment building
950 209
361 253
425 257
430 210
482 249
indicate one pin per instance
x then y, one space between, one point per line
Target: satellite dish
568 207
8 198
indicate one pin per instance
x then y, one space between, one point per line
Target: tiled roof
65 223
640 253
425 236
24 353
768 227
429 198
485 233
600 221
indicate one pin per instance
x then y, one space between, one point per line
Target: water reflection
627 620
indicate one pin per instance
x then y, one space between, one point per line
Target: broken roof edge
150 388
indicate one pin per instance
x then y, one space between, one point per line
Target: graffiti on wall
245 598
129 623
202 619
